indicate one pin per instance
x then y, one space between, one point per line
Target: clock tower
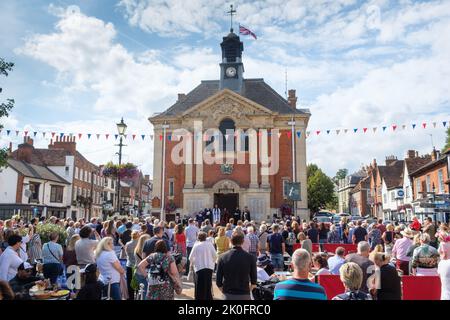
231 68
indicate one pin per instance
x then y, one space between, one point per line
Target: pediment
227 103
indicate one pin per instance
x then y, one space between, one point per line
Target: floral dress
160 285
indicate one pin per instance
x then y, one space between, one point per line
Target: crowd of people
137 258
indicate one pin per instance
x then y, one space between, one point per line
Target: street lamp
121 129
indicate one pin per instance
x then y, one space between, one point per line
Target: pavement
189 290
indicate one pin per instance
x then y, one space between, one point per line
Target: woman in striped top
35 246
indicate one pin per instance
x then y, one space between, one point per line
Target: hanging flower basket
170 207
127 170
286 210
44 231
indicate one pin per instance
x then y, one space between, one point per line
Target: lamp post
165 126
121 129
292 124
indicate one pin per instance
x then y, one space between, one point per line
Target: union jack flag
243 30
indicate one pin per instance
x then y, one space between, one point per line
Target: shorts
277 260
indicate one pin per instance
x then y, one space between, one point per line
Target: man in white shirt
216 214
10 259
191 237
203 257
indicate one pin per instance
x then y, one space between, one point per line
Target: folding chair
332 285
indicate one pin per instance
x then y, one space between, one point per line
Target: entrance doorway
227 200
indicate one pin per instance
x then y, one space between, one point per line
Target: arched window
227 127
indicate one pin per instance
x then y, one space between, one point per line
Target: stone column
188 162
198 160
264 158
253 157
157 163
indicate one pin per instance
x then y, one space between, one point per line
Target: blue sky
81 65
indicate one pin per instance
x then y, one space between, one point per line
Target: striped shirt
254 240
299 289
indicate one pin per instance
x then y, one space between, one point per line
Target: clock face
231 72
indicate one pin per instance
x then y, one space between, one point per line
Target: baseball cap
25 266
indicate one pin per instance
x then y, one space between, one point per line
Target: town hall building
241 122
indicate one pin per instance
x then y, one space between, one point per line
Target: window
441 181
34 188
418 188
408 191
384 198
56 194
67 170
428 183
227 129
392 195
76 172
171 188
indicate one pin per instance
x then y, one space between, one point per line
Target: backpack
354 296
290 240
156 274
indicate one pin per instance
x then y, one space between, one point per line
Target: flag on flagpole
245 31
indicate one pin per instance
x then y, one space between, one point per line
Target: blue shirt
52 252
275 240
121 229
334 263
296 289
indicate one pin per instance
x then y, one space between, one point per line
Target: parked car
327 220
323 214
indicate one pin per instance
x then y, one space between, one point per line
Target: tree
5 107
447 141
340 174
320 189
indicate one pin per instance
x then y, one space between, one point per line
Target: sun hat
407 233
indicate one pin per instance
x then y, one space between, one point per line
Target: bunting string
12 133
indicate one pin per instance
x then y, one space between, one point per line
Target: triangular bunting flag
160 137
337 131
134 136
125 136
384 128
143 136
151 137
116 136
403 127
424 125
434 124
354 130
345 130
289 134
107 136
98 136
17 132
318 132
374 129
53 134
26 133
413 126
279 135
444 123
299 133
34 134
89 135
79 136
61 135
8 132
43 134
364 129
394 127
308 133
328 131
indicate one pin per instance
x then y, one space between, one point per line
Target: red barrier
421 287
332 285
331 247
315 247
296 246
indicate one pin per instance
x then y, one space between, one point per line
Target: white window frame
441 181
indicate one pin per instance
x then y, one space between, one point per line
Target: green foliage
5 67
447 141
341 174
44 231
320 189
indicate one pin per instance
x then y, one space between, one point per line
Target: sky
81 65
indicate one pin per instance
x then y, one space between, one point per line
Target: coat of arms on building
226 168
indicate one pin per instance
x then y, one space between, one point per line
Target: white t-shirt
261 274
323 271
444 274
105 265
9 263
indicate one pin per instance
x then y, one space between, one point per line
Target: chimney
411 154
390 160
434 154
374 163
10 149
292 99
181 97
66 143
25 150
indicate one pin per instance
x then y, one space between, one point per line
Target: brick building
359 196
86 187
234 120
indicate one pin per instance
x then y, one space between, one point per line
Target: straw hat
408 233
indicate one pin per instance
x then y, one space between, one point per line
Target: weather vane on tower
231 13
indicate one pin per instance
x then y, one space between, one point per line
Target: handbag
134 284
190 276
61 266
